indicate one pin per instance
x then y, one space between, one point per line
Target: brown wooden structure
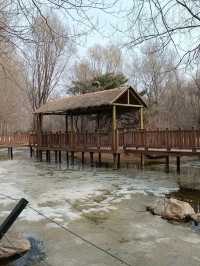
115 141
144 142
114 102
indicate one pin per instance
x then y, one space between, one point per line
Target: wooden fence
120 139
160 139
20 139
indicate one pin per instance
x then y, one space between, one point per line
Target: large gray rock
173 209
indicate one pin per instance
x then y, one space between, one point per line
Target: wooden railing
160 139
121 139
72 140
20 139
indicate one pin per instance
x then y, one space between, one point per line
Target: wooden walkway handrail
135 138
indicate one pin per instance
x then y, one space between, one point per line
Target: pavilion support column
72 131
114 127
142 127
141 118
66 123
39 129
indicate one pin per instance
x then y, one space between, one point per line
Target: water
102 205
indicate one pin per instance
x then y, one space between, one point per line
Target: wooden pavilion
115 102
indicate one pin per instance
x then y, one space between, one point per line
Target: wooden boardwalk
161 141
153 142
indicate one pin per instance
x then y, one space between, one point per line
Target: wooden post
91 159
167 163
31 151
178 164
114 126
40 155
141 118
82 158
72 157
59 156
37 153
118 160
142 160
10 153
72 130
39 129
56 156
66 123
67 157
5 226
114 160
99 158
47 155
128 96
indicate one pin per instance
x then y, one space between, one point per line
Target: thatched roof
93 100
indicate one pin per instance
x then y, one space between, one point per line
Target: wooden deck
161 141
157 142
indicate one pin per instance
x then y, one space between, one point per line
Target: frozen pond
104 206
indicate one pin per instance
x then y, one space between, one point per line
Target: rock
173 209
12 247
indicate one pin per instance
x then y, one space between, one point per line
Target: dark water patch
35 255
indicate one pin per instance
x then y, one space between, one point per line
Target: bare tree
21 12
47 59
152 71
171 22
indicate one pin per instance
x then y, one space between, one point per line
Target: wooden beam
66 123
114 120
72 130
128 105
128 95
114 126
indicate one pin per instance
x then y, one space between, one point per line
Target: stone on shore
173 209
12 247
